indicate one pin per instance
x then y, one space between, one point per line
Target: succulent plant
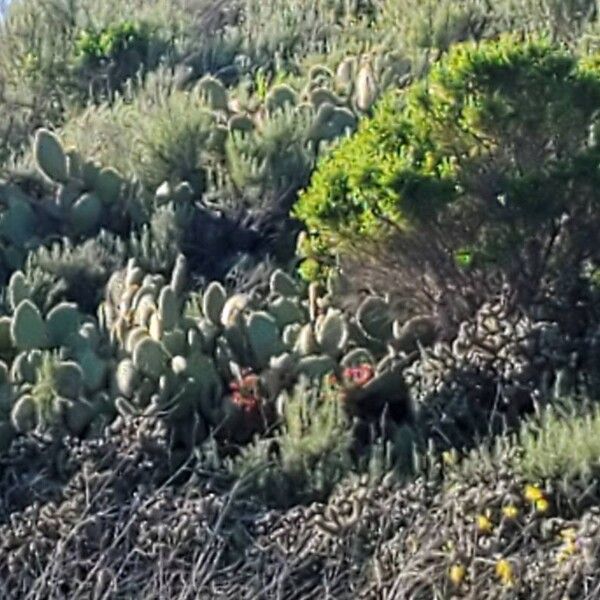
78 415
213 302
345 73
68 380
149 357
108 185
178 352
283 284
50 156
18 289
332 333
264 338
213 92
127 378
24 416
28 330
62 321
280 96
366 87
85 214
6 340
374 318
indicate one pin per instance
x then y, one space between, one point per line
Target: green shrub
562 446
306 458
106 58
484 165
155 136
78 271
108 43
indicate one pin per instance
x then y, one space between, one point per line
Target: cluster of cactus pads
86 198
273 139
354 86
54 368
205 361
88 195
257 143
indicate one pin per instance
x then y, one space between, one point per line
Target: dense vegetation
299 299
487 155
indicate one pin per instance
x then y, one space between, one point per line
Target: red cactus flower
359 375
249 404
246 392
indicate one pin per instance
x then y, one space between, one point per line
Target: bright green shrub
496 148
106 58
108 43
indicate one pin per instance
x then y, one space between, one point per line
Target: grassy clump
563 445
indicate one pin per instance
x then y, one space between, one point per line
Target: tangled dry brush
104 520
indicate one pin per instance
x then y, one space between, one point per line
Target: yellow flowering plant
457 574
504 572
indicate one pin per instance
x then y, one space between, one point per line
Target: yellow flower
542 505
533 493
570 547
457 574
510 511
484 524
504 572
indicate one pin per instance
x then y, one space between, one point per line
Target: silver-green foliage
563 444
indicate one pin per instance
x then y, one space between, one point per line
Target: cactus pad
150 358
50 157
213 301
24 414
264 338
28 329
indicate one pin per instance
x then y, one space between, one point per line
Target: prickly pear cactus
68 380
264 338
6 341
108 185
150 358
332 333
213 302
281 283
280 96
374 319
213 92
62 322
85 214
28 330
180 353
50 156
127 378
18 289
24 415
